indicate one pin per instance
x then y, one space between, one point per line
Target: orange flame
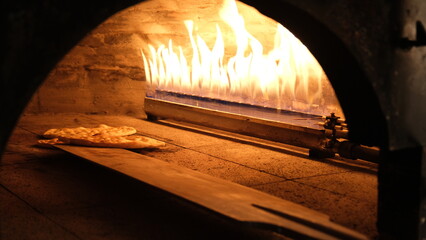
287 77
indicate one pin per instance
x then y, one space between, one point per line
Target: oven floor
49 194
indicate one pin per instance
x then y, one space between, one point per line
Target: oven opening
235 96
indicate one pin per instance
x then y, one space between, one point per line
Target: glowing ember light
287 77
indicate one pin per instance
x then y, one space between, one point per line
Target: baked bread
102 136
87 132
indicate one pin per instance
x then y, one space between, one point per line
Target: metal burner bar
253 111
298 135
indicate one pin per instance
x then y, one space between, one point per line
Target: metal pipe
356 151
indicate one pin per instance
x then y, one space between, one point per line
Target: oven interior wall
103 73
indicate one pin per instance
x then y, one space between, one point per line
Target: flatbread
134 141
102 136
80 132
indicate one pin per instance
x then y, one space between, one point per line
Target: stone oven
88 60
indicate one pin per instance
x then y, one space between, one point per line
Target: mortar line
321 175
312 186
330 191
298 178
